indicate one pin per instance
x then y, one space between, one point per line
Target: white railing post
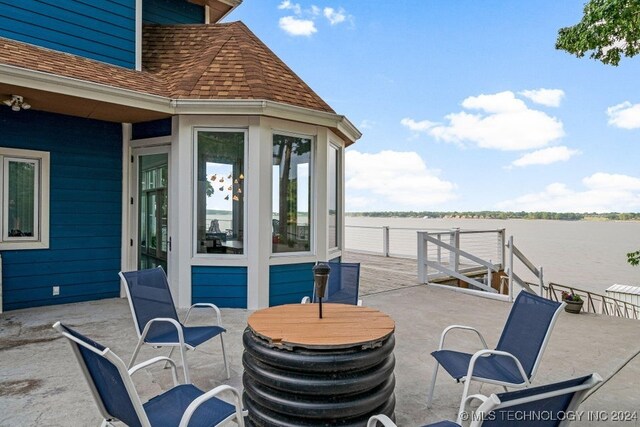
422 254
541 279
439 249
511 268
501 242
385 240
454 256
489 276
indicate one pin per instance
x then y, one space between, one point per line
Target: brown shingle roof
221 61
49 61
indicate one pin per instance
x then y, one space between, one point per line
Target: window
291 197
219 169
333 174
24 185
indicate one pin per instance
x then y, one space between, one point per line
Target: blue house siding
290 283
168 12
151 129
96 29
85 211
222 286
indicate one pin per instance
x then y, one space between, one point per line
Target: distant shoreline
561 216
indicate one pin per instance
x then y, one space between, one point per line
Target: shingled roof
217 62
223 61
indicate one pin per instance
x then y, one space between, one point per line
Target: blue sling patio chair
551 405
115 394
515 360
156 319
343 285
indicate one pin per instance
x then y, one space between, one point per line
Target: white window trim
41 240
194 202
313 189
338 190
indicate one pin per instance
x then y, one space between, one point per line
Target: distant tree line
564 216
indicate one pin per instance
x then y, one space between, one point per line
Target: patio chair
548 405
343 286
156 319
115 394
515 360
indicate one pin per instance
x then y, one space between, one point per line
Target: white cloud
315 10
625 115
421 126
287 5
546 156
393 180
548 97
334 16
367 124
297 27
503 123
603 192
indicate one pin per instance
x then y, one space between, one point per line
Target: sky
464 105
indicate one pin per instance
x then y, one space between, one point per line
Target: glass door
153 184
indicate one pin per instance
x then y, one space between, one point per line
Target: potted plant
574 302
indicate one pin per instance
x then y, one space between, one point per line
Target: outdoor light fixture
321 276
17 103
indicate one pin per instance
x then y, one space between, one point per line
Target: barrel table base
316 387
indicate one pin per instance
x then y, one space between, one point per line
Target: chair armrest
305 300
466 328
156 360
186 417
382 419
205 305
486 352
174 322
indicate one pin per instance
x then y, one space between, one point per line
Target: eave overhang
102 102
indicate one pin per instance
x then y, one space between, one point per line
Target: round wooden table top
341 326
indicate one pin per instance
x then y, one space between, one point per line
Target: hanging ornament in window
214 177
239 190
241 176
235 198
230 188
226 197
229 176
221 179
221 188
235 181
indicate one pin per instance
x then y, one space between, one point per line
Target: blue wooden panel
222 286
103 29
171 12
85 210
151 129
290 283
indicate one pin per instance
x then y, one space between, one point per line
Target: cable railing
596 303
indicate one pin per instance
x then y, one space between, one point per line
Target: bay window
220 177
291 196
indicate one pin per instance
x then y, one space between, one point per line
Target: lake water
590 255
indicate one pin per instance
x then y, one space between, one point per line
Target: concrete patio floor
40 382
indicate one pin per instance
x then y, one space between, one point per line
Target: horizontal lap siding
98 29
222 286
168 12
290 283
85 211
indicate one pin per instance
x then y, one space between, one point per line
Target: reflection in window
291 197
21 199
220 192
333 193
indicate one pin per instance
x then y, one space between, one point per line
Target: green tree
608 30
633 258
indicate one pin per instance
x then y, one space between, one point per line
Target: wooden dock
382 274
